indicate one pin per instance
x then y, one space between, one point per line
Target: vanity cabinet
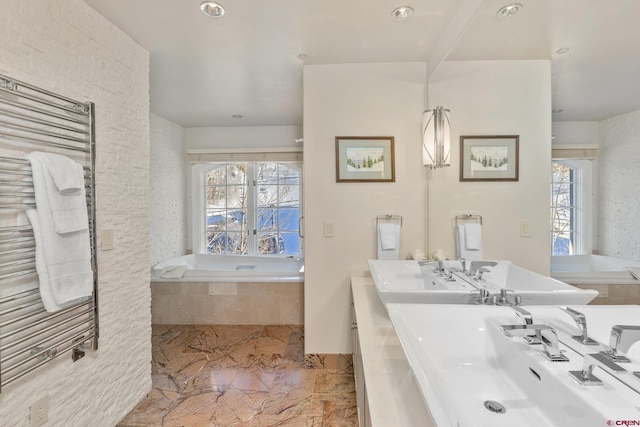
386 391
364 418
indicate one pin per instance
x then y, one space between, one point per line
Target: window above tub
247 208
571 207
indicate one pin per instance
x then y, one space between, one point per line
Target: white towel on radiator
64 268
62 181
388 241
63 260
461 246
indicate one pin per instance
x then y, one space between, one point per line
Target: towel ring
468 217
388 217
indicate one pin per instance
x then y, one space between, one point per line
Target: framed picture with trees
365 159
489 158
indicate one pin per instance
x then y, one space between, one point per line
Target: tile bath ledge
392 394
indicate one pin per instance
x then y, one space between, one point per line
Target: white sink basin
404 282
461 359
408 282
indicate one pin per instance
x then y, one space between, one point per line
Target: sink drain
494 406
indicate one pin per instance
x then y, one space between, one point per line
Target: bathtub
229 289
594 270
230 268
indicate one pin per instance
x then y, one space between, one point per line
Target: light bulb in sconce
436 138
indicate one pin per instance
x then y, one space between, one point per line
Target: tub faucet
475 265
581 321
621 339
547 335
590 361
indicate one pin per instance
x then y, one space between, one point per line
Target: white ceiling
204 70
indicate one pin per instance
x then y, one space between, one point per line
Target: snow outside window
571 207
252 208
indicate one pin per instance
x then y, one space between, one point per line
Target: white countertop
393 396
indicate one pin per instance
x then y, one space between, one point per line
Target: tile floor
238 375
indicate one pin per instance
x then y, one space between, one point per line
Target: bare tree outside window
273 189
562 210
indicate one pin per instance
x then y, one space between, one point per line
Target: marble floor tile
240 375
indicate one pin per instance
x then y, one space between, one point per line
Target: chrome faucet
621 339
502 299
581 321
481 271
475 265
483 296
524 315
590 361
528 320
547 335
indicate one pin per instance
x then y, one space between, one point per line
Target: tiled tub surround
228 375
614 294
231 303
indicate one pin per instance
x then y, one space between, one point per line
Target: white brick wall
66 47
619 186
168 219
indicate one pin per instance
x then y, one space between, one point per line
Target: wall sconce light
436 138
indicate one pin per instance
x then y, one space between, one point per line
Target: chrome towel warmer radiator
34 119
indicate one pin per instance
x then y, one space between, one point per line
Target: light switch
525 229
329 229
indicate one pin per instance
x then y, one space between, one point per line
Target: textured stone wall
619 187
66 47
168 222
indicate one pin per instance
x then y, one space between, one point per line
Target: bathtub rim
231 276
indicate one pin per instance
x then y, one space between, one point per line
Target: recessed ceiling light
402 13
562 50
557 110
212 9
509 10
303 57
237 116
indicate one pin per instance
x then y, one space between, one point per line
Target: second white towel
388 241
462 249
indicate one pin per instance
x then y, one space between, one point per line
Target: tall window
572 209
563 209
252 208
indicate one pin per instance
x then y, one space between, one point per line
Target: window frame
582 205
199 207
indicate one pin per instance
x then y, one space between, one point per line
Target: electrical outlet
40 411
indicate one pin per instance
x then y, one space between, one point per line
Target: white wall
355 100
168 210
243 137
619 186
64 46
496 98
576 133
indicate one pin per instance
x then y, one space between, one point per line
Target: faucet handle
590 361
502 299
581 322
621 339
